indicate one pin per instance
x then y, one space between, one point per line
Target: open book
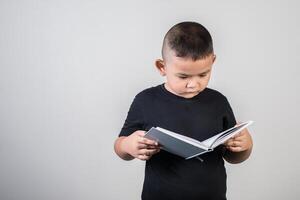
187 147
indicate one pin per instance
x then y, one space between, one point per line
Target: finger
235 143
228 144
141 133
142 146
148 152
235 149
237 135
229 141
146 146
238 143
239 138
143 157
155 151
240 134
152 147
147 141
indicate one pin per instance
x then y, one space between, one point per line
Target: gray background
69 71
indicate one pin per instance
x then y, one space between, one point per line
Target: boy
185 105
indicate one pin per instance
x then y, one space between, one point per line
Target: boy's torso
200 117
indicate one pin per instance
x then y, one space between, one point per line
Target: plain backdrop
69 71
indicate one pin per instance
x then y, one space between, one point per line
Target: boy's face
185 77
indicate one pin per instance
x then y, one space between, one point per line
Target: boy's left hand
240 142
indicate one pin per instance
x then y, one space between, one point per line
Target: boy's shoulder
149 92
214 93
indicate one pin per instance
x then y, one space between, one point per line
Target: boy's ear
214 58
159 63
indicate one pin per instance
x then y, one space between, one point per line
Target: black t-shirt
171 177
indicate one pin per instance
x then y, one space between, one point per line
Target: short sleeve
134 120
228 118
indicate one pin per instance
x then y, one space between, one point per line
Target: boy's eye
202 75
182 77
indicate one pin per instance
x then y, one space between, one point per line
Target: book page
229 133
211 140
219 137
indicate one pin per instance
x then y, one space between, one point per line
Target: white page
210 141
229 134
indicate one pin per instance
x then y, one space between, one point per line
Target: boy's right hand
140 147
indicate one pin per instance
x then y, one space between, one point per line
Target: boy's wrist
124 149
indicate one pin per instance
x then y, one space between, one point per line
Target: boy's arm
136 146
239 148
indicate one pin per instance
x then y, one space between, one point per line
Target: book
187 147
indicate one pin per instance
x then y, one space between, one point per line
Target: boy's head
188 56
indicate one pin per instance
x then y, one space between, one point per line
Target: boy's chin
189 95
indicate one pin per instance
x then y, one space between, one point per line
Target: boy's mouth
190 94
195 92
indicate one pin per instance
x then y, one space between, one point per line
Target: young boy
185 105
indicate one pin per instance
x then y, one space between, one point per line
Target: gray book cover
175 145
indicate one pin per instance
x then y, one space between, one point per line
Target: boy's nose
192 84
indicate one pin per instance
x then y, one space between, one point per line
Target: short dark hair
188 40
